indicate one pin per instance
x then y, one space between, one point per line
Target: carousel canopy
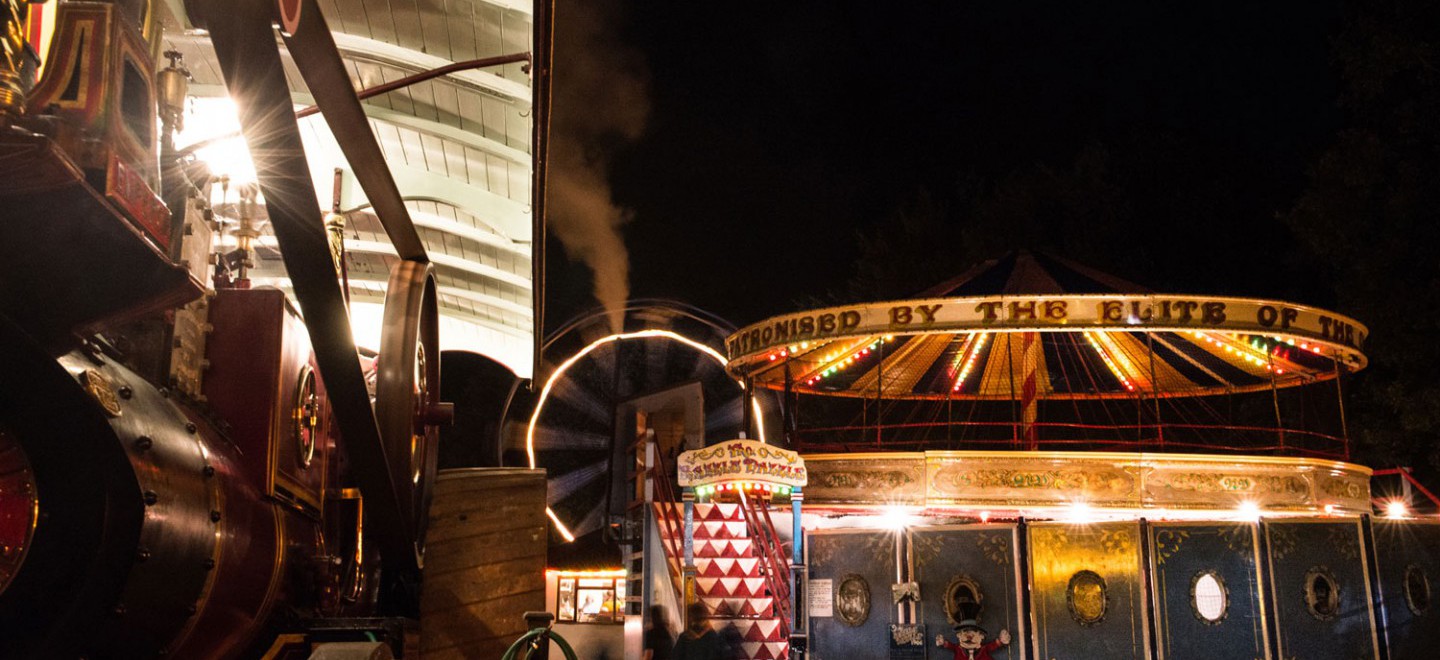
1037 326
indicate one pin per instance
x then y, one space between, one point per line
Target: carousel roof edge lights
1081 346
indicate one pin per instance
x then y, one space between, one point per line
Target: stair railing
670 519
777 582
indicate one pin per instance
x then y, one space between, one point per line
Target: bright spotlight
1248 511
1079 513
896 518
1396 509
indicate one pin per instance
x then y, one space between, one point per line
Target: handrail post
687 495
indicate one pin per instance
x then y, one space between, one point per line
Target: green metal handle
536 633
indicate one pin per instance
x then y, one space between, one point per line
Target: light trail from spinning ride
564 366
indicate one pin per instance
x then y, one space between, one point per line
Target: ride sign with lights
741 460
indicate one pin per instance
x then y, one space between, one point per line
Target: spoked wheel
407 391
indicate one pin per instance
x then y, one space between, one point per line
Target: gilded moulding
1100 480
869 479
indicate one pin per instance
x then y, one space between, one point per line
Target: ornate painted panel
1207 591
1407 554
854 621
1320 590
1086 595
953 564
880 479
1016 480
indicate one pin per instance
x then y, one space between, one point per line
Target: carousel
1039 460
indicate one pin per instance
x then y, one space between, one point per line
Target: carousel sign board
1052 313
741 460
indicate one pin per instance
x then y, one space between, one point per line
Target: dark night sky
780 132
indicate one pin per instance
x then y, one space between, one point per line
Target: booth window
590 600
1208 597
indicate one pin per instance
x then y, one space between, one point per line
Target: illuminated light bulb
1079 513
804 344
772 357
1248 510
896 518
984 516
1329 509
1303 345
783 353
1279 371
1317 350
1396 509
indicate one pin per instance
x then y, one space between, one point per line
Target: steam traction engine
190 467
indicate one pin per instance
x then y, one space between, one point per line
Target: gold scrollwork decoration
925 547
995 547
1168 542
1283 541
1345 541
1117 541
861 479
100 389
1238 538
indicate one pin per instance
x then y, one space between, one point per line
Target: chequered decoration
729 581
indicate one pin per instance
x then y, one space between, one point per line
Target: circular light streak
564 366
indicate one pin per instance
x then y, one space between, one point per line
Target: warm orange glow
599 573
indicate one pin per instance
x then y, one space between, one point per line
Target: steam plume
601 101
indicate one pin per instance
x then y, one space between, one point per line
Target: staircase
733 578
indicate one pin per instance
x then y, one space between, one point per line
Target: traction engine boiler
190 467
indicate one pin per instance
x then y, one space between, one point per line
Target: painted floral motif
1238 538
1283 541
995 547
926 547
1344 540
1168 542
1117 541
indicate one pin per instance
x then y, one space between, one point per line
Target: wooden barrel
484 561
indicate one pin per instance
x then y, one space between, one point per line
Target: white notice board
821 596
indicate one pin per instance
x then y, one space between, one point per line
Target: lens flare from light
896 518
1396 509
1248 510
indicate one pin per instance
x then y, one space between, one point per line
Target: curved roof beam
439 259
421 125
379 52
274 277
510 218
379 299
446 225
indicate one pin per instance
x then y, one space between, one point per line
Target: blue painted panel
982 553
1412 620
1182 552
1059 552
1299 548
834 554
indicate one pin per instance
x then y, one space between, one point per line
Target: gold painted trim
1111 483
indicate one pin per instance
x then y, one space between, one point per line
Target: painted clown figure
970 641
